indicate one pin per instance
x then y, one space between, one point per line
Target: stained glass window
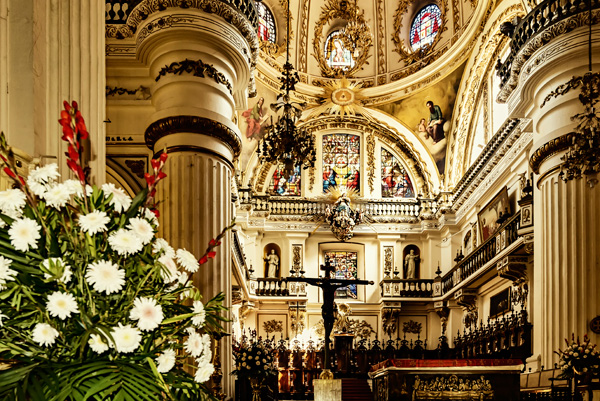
341 161
346 267
395 182
266 23
425 26
279 186
336 54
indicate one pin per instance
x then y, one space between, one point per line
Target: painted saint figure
435 126
254 118
273 263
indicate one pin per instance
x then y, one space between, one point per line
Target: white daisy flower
125 242
127 338
6 273
148 314
2 316
199 314
204 372
97 344
44 334
61 305
24 234
36 187
73 187
150 216
171 273
94 222
206 356
120 200
12 199
56 196
142 229
166 361
58 262
105 276
187 260
47 173
160 244
194 344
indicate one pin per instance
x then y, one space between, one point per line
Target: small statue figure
273 263
410 262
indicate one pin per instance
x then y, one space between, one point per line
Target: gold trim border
548 150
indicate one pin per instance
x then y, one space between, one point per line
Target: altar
446 379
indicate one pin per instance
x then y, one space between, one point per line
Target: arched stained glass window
346 267
395 182
341 161
266 23
279 186
336 54
425 26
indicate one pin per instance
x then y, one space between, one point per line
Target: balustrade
411 288
272 287
546 14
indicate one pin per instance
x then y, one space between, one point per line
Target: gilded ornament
198 69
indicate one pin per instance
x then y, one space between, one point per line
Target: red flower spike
155 164
66 105
65 116
75 105
73 154
163 157
149 179
156 213
203 260
4 159
9 172
212 254
22 180
213 242
161 175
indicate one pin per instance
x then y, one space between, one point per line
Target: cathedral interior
442 162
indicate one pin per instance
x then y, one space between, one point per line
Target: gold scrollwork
549 149
198 69
330 11
406 54
371 159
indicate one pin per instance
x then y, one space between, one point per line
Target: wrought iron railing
239 255
482 254
117 11
546 14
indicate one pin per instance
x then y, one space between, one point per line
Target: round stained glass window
425 26
266 23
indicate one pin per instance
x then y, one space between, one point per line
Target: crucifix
328 284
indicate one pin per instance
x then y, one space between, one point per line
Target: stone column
564 281
201 65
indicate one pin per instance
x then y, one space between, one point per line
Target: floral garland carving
371 159
573 83
330 11
311 178
406 54
303 37
381 64
196 68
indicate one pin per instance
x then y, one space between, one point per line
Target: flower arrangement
579 358
92 305
253 358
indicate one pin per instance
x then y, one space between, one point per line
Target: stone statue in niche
412 261
272 261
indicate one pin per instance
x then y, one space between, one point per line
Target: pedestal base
328 390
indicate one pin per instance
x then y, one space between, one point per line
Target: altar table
446 379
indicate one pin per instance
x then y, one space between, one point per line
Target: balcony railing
271 287
406 288
472 263
117 11
546 14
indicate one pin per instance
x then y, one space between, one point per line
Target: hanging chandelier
582 158
284 143
356 35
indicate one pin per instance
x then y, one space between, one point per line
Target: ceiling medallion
341 97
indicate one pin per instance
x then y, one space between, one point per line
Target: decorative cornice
228 12
541 39
198 69
194 125
549 149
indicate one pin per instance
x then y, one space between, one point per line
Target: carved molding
381 53
539 41
198 69
466 298
388 260
405 51
389 321
371 160
548 150
303 37
196 125
141 92
573 83
456 15
513 268
329 12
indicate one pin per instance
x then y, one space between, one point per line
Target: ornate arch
479 68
